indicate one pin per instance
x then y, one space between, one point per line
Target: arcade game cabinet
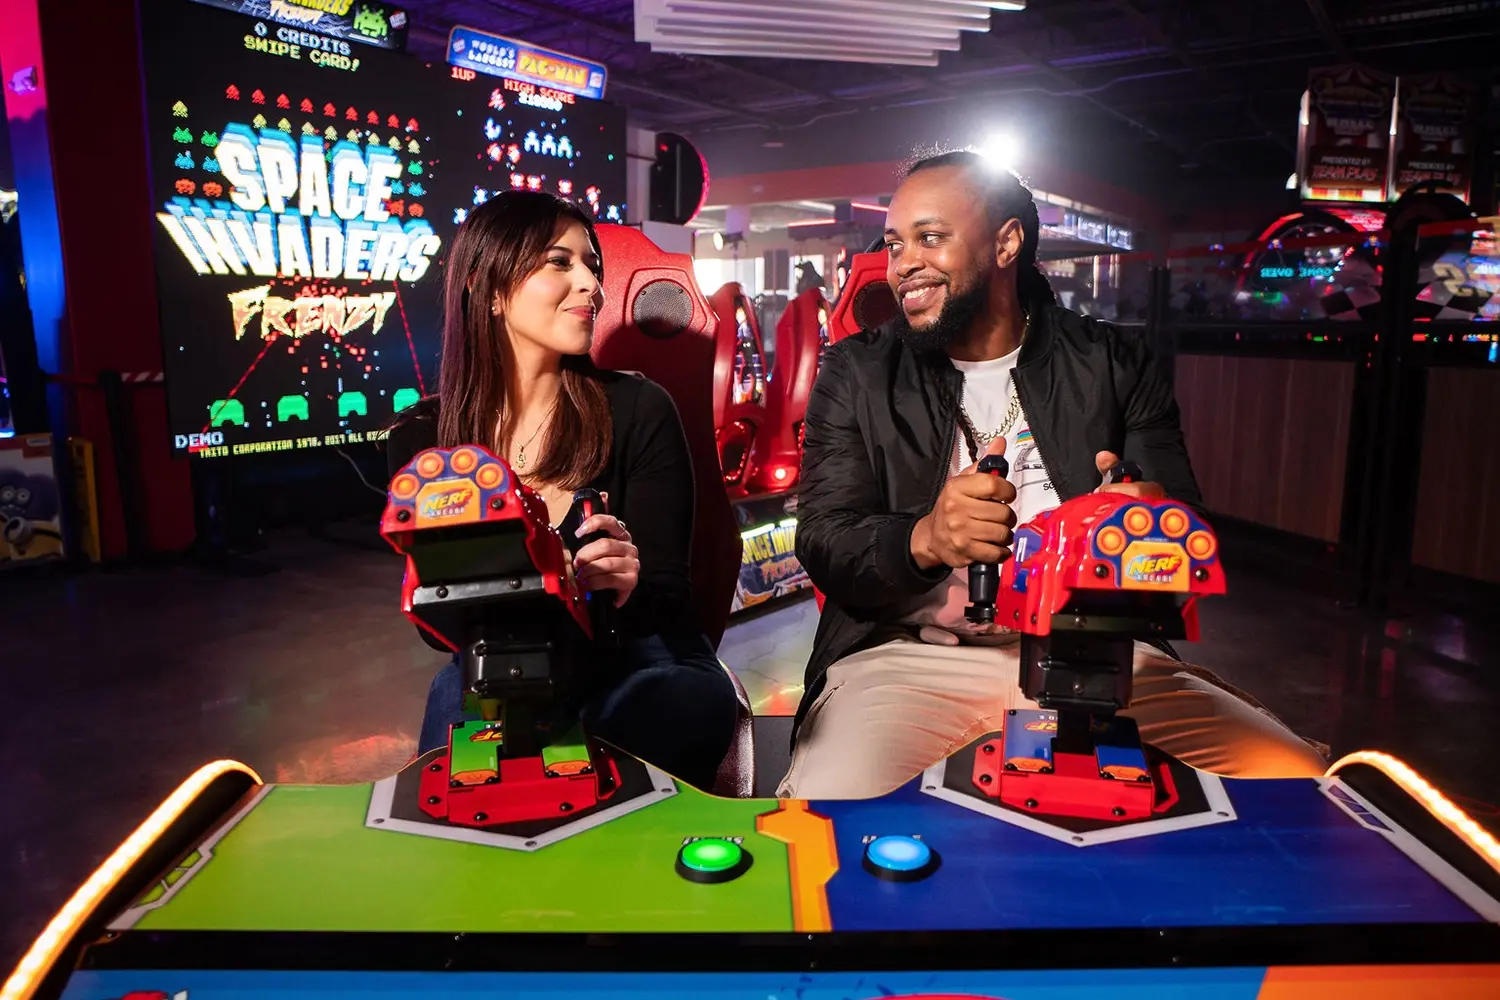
31 496
1312 264
1057 856
801 337
806 330
656 321
770 569
740 378
745 411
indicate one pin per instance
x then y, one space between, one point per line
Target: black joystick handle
1123 472
984 578
586 503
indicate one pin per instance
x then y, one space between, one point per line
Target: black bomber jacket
880 432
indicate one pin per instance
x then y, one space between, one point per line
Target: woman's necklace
521 455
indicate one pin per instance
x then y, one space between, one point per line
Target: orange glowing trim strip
811 222
45 951
1454 818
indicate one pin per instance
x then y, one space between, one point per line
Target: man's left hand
1106 460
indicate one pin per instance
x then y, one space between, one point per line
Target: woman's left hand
611 563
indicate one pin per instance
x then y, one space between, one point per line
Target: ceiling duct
909 33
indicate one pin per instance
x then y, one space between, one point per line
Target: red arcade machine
1367 167
739 387
656 322
744 426
767 510
802 335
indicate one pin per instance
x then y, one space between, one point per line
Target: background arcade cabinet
743 422
767 510
801 338
656 322
740 414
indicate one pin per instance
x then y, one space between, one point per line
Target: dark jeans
668 703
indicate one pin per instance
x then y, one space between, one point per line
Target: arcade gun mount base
489 577
1085 582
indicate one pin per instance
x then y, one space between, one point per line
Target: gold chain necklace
521 455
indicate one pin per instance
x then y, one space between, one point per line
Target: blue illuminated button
900 859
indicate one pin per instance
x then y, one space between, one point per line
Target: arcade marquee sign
366 21
495 55
1367 137
295 213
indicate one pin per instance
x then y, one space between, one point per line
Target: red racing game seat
801 337
865 303
656 321
739 382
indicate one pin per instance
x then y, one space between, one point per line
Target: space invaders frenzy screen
306 190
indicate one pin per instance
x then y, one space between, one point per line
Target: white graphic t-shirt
989 389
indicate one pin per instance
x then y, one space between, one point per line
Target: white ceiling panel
890 32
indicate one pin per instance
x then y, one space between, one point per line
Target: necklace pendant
521 458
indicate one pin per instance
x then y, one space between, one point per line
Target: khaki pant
890 712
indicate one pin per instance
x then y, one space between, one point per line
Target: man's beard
953 323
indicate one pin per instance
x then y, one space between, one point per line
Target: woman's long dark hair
1005 198
498 247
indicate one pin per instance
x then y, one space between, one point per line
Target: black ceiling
1207 87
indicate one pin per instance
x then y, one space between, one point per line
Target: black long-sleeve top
649 479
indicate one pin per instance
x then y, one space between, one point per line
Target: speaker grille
874 305
662 309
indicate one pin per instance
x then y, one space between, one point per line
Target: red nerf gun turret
1086 580
477 542
488 575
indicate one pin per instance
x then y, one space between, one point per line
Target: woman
521 292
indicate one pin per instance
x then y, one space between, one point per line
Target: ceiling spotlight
722 240
1002 150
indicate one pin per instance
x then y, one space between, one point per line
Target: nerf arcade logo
447 504
1156 568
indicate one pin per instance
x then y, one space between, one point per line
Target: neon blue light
898 854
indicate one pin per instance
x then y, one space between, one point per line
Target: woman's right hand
610 563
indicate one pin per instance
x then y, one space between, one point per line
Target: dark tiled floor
117 685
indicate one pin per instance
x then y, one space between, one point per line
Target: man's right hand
971 521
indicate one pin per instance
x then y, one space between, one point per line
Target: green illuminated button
712 860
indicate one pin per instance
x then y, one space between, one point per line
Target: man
891 512
808 277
